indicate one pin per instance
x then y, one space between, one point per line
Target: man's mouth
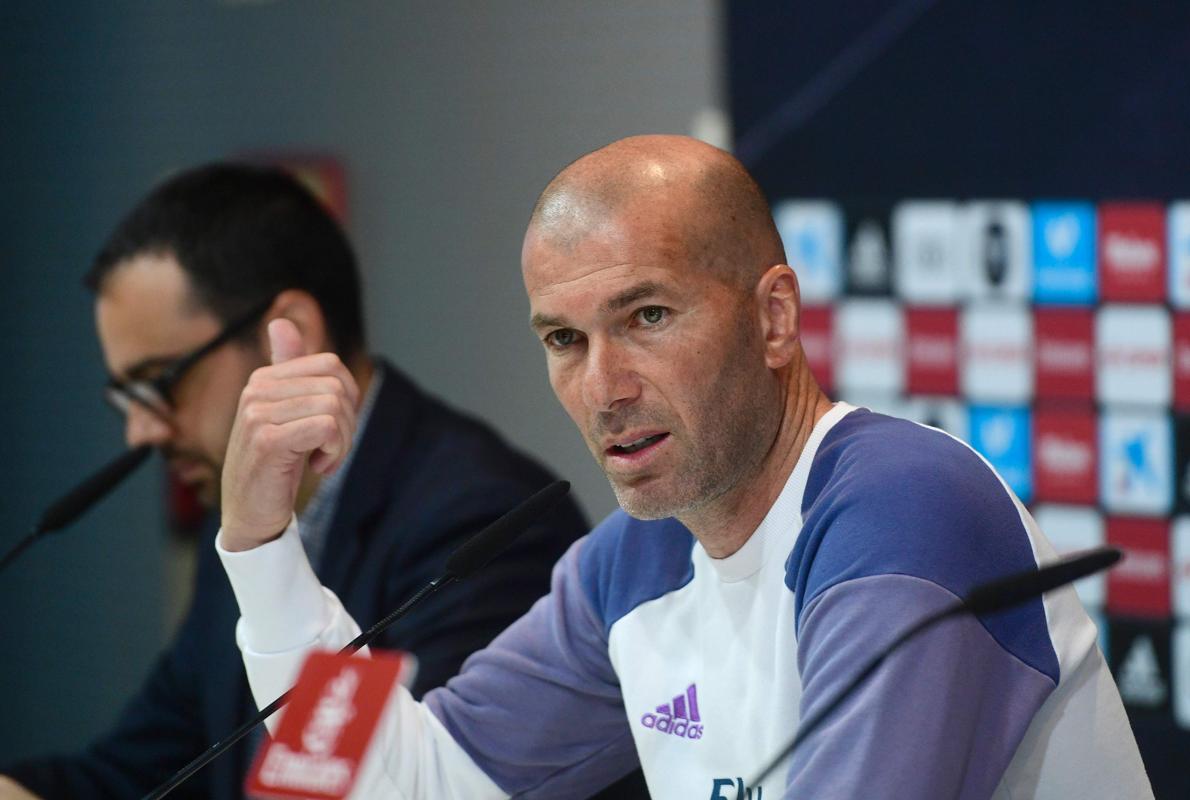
636 445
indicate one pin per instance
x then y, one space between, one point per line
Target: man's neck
724 525
361 369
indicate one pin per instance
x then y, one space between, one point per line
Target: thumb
285 342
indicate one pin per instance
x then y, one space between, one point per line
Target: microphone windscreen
79 499
481 548
1009 591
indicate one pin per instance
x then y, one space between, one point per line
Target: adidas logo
679 720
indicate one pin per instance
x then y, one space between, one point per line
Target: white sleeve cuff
282 604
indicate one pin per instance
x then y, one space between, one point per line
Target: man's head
657 282
221 248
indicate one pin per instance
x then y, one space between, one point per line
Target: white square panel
1133 352
997 261
1180 568
1177 223
926 251
870 350
1136 462
996 347
1071 529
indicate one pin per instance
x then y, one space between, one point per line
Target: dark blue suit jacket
424 479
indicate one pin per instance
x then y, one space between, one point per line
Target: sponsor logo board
931 350
869 336
1071 529
1180 360
817 333
1002 436
997 353
1136 462
1181 675
812 232
1140 662
1065 461
1132 354
1064 268
1132 252
1180 568
1139 586
997 252
1064 353
868 256
1178 223
926 251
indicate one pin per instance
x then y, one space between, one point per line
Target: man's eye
563 337
652 315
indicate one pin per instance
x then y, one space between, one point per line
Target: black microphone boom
470 556
1005 592
71 505
476 552
986 598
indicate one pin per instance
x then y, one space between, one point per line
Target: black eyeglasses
156 394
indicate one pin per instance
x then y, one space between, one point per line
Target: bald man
770 543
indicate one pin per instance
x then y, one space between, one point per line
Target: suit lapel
367 488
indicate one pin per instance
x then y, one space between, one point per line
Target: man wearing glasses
184 288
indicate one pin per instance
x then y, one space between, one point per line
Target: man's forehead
145 315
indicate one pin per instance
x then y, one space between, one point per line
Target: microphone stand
986 598
471 555
70 506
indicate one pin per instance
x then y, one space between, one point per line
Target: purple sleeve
940 718
540 710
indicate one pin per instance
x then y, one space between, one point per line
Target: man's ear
779 300
299 307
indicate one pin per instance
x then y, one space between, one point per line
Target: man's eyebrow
538 321
632 295
618 302
148 365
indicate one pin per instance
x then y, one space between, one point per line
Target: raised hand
299 410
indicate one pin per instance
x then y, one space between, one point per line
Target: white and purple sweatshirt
648 649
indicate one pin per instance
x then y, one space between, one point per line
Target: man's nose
142 426
609 380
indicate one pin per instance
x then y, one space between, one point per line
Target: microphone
995 595
71 505
479 550
470 556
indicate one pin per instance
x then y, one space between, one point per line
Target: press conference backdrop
447 118
988 207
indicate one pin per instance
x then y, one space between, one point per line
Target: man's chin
645 502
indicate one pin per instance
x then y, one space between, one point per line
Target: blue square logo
812 232
1136 462
1064 254
1002 436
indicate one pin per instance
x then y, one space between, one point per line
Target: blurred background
983 201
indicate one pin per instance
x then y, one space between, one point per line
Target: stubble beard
741 418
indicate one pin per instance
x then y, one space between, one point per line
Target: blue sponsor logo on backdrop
1002 436
1064 253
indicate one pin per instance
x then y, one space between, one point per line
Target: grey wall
448 116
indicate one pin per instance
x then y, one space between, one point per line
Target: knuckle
266 437
253 413
328 362
258 376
